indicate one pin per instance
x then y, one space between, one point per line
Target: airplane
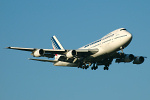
99 52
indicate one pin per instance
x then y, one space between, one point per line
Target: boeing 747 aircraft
99 52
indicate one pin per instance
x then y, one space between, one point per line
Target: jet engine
38 53
71 53
126 58
138 60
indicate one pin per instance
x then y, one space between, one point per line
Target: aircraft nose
129 36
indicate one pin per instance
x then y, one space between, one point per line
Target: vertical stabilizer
55 43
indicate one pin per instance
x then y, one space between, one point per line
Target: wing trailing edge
44 60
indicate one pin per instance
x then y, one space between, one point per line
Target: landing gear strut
121 48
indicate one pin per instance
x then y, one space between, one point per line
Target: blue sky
75 23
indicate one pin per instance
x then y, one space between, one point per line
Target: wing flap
86 52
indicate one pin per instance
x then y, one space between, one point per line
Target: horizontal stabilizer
43 60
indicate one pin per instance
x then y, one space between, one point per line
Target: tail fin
55 43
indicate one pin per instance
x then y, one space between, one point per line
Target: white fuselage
111 42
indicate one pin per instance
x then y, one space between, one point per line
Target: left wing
44 60
58 51
23 49
50 53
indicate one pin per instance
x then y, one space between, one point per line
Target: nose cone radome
129 35
128 39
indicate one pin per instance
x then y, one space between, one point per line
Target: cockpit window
123 29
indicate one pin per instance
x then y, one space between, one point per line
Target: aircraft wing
20 48
43 60
55 51
80 52
85 52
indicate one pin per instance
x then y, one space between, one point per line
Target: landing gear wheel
106 68
94 67
83 66
87 66
80 65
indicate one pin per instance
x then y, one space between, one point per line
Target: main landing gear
83 66
106 67
94 67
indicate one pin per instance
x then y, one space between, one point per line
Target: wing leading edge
20 48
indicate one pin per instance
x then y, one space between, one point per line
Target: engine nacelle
38 53
138 60
127 58
71 53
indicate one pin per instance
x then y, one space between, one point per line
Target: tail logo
55 43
